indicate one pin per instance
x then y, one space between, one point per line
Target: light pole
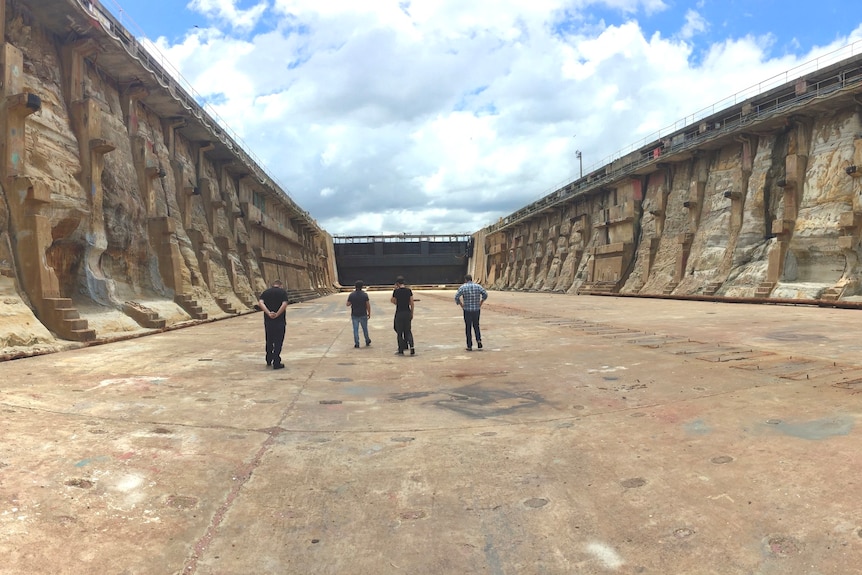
580 161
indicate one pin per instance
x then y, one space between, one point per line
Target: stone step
82 334
764 290
145 317
225 305
297 296
831 294
190 306
598 288
75 324
65 313
63 319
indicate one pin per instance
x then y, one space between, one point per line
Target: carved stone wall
764 202
124 207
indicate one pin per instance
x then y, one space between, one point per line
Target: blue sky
441 116
796 26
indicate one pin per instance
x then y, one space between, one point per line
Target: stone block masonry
125 207
760 200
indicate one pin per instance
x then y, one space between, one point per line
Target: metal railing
783 79
387 238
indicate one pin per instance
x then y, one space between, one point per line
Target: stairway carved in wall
190 306
63 319
764 290
143 316
832 294
712 288
226 306
297 296
598 288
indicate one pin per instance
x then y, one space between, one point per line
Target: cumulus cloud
227 13
440 117
694 24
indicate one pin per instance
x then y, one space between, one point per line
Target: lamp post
580 161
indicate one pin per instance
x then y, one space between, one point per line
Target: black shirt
272 299
402 297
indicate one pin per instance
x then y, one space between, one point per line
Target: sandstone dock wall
125 206
759 200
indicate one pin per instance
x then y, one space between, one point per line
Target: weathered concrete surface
592 435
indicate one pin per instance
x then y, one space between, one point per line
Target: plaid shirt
473 295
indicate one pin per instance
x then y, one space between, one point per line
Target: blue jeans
357 321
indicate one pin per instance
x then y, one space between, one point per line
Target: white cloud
409 116
226 12
632 6
695 24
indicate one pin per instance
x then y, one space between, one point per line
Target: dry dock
592 435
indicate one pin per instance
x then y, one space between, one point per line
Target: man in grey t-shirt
360 312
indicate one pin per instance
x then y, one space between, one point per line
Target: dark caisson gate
421 259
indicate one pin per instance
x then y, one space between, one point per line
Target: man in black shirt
402 297
273 303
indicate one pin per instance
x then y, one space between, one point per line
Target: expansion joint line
244 473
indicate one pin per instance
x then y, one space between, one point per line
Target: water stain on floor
814 430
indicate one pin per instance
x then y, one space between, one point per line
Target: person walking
360 312
402 297
470 296
274 322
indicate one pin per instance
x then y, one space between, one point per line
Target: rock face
761 200
125 208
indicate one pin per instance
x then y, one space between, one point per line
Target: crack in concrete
244 473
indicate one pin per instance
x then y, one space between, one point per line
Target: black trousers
403 328
274 340
471 323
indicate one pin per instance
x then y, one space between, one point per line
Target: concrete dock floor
592 435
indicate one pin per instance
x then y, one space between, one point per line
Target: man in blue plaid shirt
470 297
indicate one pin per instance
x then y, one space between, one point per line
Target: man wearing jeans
470 297
360 313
